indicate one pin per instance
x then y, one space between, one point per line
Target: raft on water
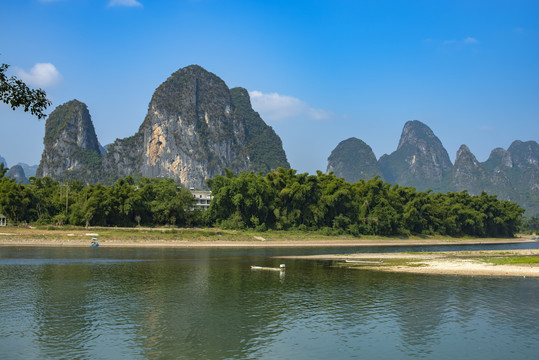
280 268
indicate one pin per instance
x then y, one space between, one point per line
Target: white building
3 220
202 199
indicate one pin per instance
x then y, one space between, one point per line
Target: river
206 303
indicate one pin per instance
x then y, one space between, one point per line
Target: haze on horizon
318 72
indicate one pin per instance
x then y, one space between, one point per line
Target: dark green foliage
125 203
3 170
283 199
49 198
531 225
15 200
17 94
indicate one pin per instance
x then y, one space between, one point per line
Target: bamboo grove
286 200
279 200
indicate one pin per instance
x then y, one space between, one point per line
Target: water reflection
207 303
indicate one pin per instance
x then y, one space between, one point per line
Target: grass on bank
513 260
164 234
48 232
419 259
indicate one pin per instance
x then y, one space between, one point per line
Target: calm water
82 303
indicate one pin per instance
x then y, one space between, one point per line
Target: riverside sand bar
471 263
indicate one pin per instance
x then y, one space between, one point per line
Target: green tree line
283 199
125 203
280 200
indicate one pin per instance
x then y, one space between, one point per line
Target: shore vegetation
281 200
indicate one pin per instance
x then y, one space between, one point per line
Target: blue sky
318 72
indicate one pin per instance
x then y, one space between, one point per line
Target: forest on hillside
279 200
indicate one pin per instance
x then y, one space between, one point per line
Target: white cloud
470 40
280 107
40 75
128 3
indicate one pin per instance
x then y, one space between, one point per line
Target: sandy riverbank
469 263
255 241
211 237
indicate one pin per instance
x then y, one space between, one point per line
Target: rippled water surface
59 303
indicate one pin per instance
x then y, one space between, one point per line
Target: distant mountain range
20 172
29 170
422 162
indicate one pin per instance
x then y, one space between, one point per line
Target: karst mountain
422 162
195 127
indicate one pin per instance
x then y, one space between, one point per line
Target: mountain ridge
422 162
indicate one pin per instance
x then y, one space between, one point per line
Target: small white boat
280 268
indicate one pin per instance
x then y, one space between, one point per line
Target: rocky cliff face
195 127
420 159
71 144
190 132
353 160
